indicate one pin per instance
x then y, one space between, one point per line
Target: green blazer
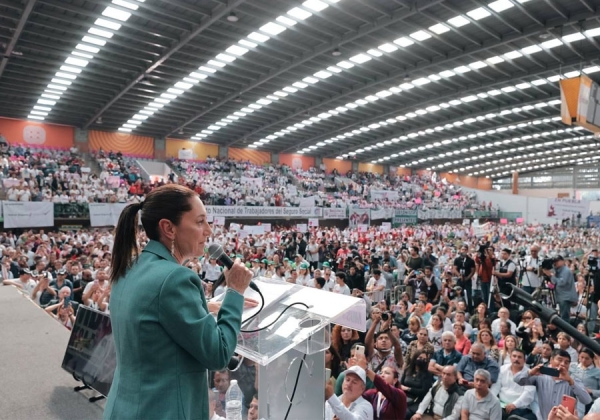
166 340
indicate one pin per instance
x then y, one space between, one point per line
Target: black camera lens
385 316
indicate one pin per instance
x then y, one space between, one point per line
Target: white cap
358 371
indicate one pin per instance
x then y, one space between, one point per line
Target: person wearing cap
303 277
211 270
350 405
24 282
565 292
61 280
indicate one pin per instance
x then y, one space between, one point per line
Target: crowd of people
441 342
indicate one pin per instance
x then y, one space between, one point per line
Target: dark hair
341 275
519 351
589 353
321 281
561 353
168 202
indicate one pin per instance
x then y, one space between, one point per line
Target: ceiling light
299 13
87 48
101 32
226 58
322 74
94 40
551 44
286 20
117 14
572 74
345 65
532 49
500 5
300 85
513 54
388 48
447 73
403 42
272 28
247 43
539 82
478 13
360 58
126 4
198 76
255 36
216 63
462 69
107 24
591 33
374 53
458 21
420 35
65 75
183 85
76 62
334 69
573 37
290 89
316 5
236 50
422 81
406 86
80 54
477 65
232 17
439 28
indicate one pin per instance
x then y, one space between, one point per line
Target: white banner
384 195
254 230
439 214
251 181
267 212
359 217
386 226
219 220
480 230
267 227
105 214
302 227
307 201
185 154
563 208
334 213
292 190
363 228
386 213
313 222
28 214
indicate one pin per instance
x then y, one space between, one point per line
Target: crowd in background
432 321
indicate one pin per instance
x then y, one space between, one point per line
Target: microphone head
215 251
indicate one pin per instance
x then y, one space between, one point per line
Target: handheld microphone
215 251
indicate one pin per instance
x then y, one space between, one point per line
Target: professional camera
592 263
548 263
522 254
482 248
385 316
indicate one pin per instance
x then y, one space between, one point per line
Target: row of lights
225 58
97 36
512 55
357 59
480 159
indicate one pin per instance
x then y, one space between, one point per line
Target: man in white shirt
514 398
351 404
443 400
376 286
24 282
503 315
340 284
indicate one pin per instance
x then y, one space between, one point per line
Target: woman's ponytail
125 248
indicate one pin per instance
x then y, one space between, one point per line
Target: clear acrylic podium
300 336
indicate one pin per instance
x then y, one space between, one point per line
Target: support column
275 158
223 152
515 182
318 161
354 166
160 146
81 140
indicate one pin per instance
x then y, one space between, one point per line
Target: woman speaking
164 335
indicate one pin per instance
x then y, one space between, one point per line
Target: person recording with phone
553 382
531 280
464 269
165 337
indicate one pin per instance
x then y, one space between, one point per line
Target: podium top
299 327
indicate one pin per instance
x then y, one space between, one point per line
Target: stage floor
32 383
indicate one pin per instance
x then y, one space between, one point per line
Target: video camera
592 263
482 248
548 263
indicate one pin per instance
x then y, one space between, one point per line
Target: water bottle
233 401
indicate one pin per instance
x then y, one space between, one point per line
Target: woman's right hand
238 277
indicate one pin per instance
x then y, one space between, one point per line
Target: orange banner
370 167
35 134
200 151
297 161
252 156
343 166
128 144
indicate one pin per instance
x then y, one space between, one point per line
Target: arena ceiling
469 86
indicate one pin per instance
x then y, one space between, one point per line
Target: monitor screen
90 355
